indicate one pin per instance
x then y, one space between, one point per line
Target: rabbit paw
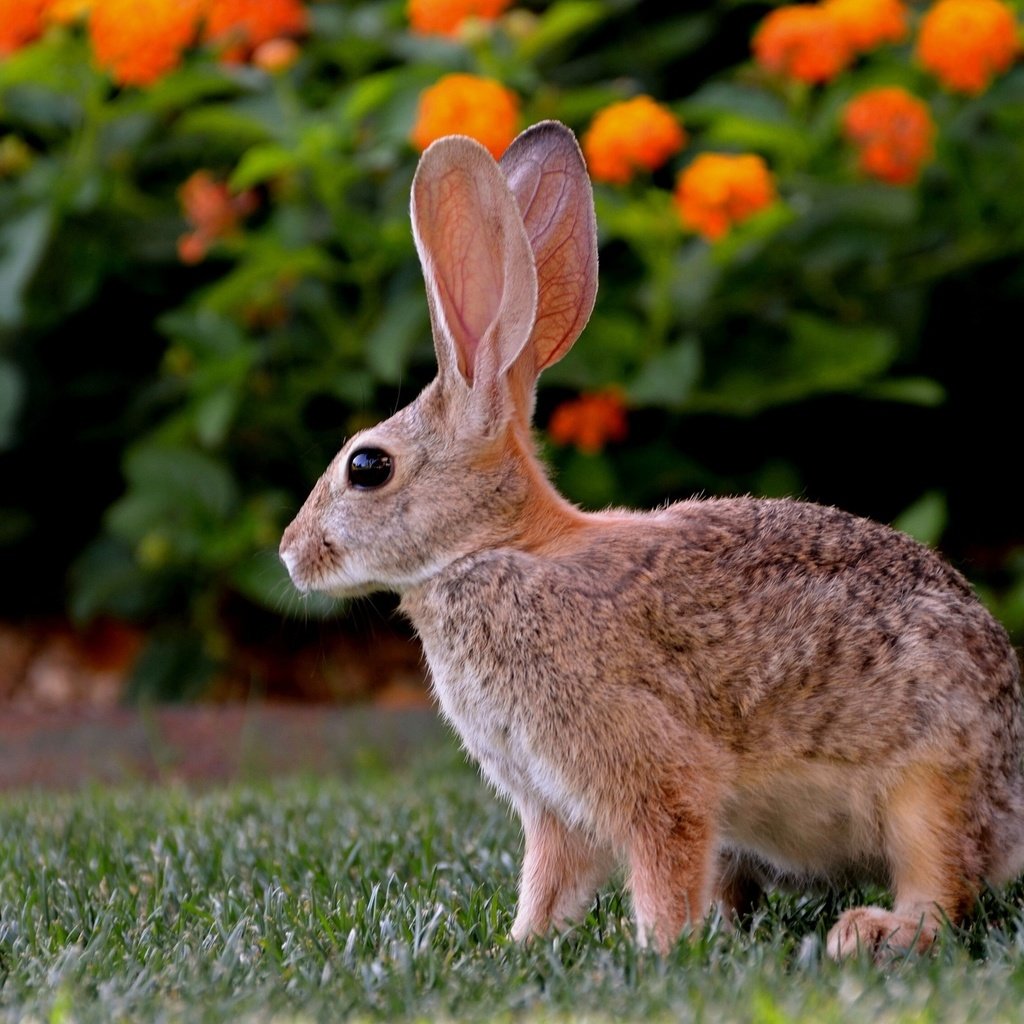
881 933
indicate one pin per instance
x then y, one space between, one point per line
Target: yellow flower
719 190
469 105
446 17
965 43
636 133
139 41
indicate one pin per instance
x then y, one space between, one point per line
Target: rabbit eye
369 468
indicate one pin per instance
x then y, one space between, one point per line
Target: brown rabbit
716 694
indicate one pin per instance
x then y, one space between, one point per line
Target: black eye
369 467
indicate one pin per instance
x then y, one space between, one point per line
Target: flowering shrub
206 266
630 135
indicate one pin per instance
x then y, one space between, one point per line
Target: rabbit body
716 695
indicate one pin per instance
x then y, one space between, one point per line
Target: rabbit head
509 257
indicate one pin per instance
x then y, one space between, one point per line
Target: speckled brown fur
716 695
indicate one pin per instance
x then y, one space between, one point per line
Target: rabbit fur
716 695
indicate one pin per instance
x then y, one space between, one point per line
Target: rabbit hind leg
934 866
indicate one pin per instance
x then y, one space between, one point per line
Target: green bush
161 419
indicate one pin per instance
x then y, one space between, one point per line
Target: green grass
390 896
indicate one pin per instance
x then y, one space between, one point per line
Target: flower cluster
719 190
635 134
803 41
590 421
469 105
21 21
212 211
447 17
965 43
893 131
237 28
140 41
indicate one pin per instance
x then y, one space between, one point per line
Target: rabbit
713 696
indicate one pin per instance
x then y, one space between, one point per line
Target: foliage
389 897
207 277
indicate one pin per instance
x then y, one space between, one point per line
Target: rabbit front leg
562 870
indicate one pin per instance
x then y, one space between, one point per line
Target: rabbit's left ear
548 176
477 264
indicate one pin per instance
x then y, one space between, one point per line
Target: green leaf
261 163
560 22
816 357
926 519
23 240
12 394
213 414
389 344
668 378
181 475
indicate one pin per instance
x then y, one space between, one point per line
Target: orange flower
467 105
623 137
803 41
590 421
67 12
965 43
21 21
719 190
212 211
869 23
139 41
276 55
237 27
445 17
894 132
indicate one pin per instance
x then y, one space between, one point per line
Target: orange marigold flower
803 41
469 105
446 17
212 210
67 12
21 21
636 133
719 190
965 43
237 27
894 132
870 23
590 421
139 41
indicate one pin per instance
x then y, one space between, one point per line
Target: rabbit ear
477 263
548 177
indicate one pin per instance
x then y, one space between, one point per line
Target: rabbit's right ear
478 267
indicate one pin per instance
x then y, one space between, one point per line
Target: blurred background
811 226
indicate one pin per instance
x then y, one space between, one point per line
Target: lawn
389 895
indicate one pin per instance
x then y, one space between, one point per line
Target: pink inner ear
548 179
470 272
